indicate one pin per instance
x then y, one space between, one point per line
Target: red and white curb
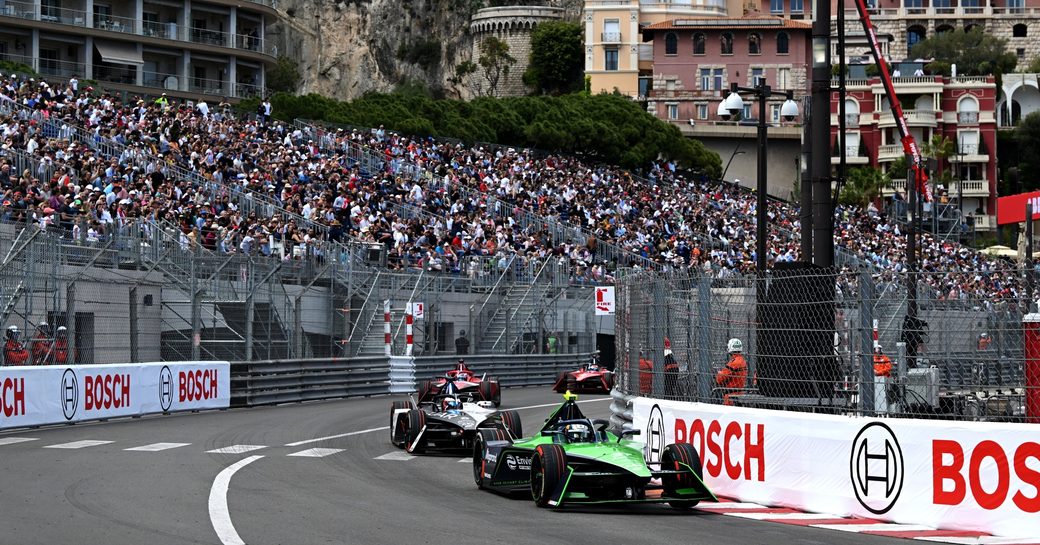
784 515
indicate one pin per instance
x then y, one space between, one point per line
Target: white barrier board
32 396
952 475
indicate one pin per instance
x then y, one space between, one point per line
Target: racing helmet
735 346
452 404
576 433
13 333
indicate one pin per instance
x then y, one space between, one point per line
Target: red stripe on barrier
924 533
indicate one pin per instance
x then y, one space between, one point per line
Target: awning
119 52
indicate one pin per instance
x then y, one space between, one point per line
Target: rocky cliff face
347 48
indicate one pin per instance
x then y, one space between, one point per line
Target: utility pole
820 166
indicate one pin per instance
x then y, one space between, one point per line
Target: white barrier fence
34 396
950 475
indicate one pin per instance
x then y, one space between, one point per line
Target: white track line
79 444
235 449
219 515
397 456
316 452
14 440
156 447
384 428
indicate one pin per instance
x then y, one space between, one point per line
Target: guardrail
285 381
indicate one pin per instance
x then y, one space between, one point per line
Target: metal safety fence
826 341
283 381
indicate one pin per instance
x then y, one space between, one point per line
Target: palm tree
939 147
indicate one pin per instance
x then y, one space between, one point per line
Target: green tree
284 76
557 58
1028 136
862 186
975 53
495 61
939 148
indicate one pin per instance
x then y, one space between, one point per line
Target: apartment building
190 47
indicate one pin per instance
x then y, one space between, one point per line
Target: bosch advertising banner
950 475
33 396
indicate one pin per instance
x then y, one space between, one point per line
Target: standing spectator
462 344
74 85
163 102
552 344
203 108
14 352
61 346
733 376
983 342
882 363
40 345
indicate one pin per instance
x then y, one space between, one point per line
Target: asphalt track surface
103 494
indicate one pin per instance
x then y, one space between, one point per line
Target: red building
696 59
959 110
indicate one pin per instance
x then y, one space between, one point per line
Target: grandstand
514 226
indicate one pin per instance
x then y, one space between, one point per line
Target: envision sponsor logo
518 462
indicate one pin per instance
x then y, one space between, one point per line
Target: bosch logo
654 436
165 388
69 394
876 468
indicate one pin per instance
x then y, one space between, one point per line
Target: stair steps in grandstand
270 340
513 315
373 343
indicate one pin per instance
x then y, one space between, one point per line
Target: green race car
574 460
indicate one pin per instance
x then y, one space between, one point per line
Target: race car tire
490 391
480 451
511 420
561 383
425 391
396 439
415 420
548 469
673 455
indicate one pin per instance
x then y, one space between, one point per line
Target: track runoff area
322 472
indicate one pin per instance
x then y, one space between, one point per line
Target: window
49 61
746 113
776 6
717 76
774 113
942 6
971 6
757 74
706 79
612 31
783 78
914 35
754 43
50 10
797 6
610 59
673 111
702 111
968 111
669 85
1019 31
1021 53
968 142
671 44
102 15
698 44
1016 6
727 43
150 23
783 44
914 7
645 84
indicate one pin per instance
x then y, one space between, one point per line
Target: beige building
616 58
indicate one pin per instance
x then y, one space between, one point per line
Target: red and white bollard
1031 338
408 318
386 327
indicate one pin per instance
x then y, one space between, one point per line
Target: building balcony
610 37
890 152
851 158
940 12
894 186
972 188
914 118
984 222
126 25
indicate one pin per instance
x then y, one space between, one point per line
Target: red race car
469 386
590 378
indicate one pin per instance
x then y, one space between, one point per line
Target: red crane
909 144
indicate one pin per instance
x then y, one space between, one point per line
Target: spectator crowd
100 163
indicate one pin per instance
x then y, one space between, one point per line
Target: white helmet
735 345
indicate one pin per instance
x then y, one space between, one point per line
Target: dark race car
574 460
445 422
590 378
470 386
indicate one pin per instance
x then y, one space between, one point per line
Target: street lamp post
734 104
737 151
